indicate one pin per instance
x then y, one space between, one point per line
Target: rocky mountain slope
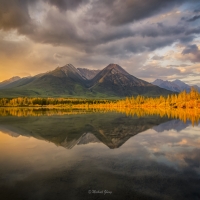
116 81
88 73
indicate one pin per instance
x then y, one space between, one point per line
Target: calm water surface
98 156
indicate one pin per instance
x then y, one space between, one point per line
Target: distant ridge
8 81
175 86
68 81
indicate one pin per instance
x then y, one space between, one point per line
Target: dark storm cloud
192 53
155 30
191 30
194 18
113 41
57 31
197 10
190 49
136 44
102 27
63 5
126 11
13 14
131 45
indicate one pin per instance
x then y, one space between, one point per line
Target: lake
50 154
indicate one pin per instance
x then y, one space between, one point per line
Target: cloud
192 53
182 65
64 5
193 30
197 10
94 33
153 71
190 49
93 24
196 17
13 14
57 56
125 11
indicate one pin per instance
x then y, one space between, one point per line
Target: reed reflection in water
178 113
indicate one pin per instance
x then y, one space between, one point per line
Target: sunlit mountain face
132 155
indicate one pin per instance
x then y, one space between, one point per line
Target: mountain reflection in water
112 129
133 154
183 114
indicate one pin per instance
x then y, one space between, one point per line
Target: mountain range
175 86
68 81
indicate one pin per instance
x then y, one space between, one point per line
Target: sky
150 39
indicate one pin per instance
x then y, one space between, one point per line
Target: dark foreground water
98 156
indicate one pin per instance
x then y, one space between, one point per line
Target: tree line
181 100
69 102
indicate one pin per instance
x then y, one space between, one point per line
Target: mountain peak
178 81
113 65
67 70
68 67
159 79
116 81
115 68
158 82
